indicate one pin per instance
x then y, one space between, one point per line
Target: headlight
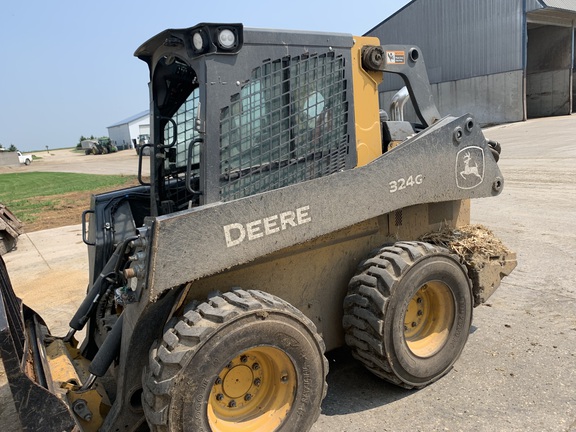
211 38
198 41
226 39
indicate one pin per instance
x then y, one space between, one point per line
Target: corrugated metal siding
459 38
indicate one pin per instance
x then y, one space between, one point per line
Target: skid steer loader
284 217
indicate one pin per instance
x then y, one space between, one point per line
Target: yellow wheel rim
254 392
428 319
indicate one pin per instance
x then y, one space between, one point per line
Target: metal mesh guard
185 118
288 124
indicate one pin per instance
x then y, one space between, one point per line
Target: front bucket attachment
21 349
10 229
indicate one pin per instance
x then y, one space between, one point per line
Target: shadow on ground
349 381
361 390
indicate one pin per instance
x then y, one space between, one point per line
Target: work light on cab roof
208 38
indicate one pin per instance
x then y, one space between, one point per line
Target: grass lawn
30 194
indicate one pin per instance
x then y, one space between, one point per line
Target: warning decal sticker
395 57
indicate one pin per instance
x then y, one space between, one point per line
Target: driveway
123 162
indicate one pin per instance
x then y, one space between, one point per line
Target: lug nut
420 313
232 404
244 359
247 397
255 366
284 378
219 396
414 324
257 382
218 381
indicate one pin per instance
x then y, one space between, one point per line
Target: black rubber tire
197 346
375 309
495 149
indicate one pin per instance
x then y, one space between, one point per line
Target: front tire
243 360
408 313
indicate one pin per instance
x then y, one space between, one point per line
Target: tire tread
183 338
368 293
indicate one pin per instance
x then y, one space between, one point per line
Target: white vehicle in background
25 159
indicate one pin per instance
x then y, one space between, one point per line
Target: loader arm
407 62
422 170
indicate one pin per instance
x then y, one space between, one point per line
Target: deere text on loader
284 217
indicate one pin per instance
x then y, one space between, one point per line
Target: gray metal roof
131 119
567 5
551 12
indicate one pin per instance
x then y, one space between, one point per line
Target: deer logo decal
470 167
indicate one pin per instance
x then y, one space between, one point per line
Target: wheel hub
238 383
429 318
255 390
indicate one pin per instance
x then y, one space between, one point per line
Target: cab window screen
185 119
287 124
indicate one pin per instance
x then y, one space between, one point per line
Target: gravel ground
124 162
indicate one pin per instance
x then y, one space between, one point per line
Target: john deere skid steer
287 214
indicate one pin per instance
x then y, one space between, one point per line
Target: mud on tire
408 312
243 360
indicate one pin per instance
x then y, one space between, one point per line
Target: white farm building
126 133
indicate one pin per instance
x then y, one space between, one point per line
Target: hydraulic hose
108 350
87 306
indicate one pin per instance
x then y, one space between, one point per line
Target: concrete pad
49 271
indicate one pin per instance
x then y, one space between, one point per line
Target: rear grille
288 124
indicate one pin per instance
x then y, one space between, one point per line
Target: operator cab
231 117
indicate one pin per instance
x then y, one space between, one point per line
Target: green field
29 194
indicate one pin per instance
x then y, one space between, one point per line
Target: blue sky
67 66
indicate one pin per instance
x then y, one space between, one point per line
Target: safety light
211 38
226 39
198 41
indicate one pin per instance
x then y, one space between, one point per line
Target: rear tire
408 313
243 360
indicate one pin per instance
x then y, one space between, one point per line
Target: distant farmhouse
502 61
126 133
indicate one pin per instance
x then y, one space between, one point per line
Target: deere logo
470 167
236 233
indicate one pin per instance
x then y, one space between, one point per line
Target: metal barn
125 133
501 60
